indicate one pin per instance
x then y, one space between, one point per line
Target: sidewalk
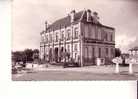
92 69
106 69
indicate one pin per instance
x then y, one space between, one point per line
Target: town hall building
79 37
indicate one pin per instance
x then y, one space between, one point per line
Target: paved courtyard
56 73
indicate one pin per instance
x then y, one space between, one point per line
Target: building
79 37
133 52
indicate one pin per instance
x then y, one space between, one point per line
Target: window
56 37
106 37
106 51
99 52
111 37
99 32
112 52
46 39
86 52
75 47
93 52
89 31
96 32
75 56
68 34
62 35
76 33
50 38
86 32
42 38
102 35
68 48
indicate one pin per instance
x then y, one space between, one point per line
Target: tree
28 54
117 52
35 51
17 56
35 54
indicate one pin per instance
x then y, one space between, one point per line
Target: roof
134 49
66 21
108 27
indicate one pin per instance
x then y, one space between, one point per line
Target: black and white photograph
66 49
74 40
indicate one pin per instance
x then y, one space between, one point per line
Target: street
82 73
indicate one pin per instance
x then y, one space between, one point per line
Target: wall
97 33
71 43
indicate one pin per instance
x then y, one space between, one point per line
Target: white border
52 89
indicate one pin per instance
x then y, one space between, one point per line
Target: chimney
72 14
46 26
95 16
88 15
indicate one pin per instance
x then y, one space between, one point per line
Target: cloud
123 41
28 17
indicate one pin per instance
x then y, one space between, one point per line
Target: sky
29 16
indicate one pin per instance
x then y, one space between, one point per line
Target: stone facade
79 37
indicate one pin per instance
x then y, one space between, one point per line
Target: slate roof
66 21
